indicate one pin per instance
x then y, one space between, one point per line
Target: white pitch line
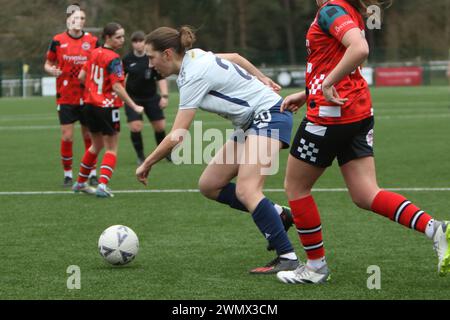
39 193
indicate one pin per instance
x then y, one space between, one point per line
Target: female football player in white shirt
215 84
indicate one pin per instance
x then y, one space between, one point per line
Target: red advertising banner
402 76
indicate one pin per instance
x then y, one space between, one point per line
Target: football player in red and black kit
339 124
67 54
103 77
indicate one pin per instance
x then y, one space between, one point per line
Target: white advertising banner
48 86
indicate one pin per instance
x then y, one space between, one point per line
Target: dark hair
164 38
138 36
110 29
362 5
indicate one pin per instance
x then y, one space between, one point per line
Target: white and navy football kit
219 86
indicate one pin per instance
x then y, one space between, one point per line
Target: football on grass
118 245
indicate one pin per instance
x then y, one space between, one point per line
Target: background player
67 54
103 77
339 124
213 83
140 83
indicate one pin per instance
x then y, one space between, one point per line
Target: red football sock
309 228
87 145
87 163
66 154
107 168
397 208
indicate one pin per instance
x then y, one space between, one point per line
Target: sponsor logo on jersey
75 59
64 45
343 25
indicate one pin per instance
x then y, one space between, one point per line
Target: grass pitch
193 248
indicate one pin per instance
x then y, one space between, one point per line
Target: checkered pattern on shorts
308 151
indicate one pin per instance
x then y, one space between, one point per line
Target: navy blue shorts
273 124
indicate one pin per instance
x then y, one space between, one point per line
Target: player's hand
293 102
55 71
331 95
139 109
142 173
163 103
270 83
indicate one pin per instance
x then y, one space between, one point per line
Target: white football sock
278 208
431 228
68 173
290 256
316 264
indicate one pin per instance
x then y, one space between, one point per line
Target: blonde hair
164 38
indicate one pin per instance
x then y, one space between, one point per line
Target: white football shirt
219 86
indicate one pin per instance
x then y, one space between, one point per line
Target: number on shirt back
97 77
225 66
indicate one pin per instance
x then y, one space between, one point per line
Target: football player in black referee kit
141 83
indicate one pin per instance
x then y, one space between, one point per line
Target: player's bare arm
181 125
356 53
82 76
52 69
122 93
250 68
293 102
164 92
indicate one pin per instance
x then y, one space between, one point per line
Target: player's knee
288 187
294 190
136 126
67 135
159 126
206 189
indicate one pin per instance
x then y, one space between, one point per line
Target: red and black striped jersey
103 70
325 51
70 54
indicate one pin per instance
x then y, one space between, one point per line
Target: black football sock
159 136
138 144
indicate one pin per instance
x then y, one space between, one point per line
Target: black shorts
151 109
319 145
102 120
69 114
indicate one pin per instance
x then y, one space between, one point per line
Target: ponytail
164 38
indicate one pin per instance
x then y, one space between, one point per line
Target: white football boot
83 187
440 239
103 191
305 275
